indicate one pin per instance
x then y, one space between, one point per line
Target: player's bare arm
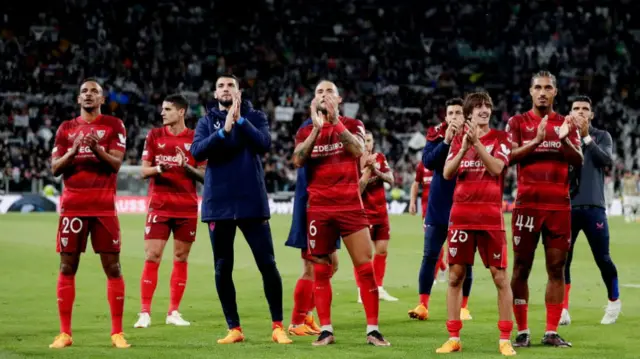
197 173
352 143
59 164
386 176
149 170
365 178
113 158
519 152
493 165
303 150
413 206
191 171
452 165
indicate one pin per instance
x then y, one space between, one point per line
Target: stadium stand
395 67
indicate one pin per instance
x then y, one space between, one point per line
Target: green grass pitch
29 320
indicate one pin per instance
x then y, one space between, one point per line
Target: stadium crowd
396 66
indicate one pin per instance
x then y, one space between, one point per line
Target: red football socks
148 284
424 300
465 302
66 295
505 327
565 303
355 275
302 300
115 295
275 325
520 311
379 268
312 299
322 291
178 284
368 292
554 312
454 327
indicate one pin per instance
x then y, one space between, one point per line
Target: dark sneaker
375 338
325 338
554 340
522 340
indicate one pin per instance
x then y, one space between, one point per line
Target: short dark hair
229 76
91 79
582 98
475 99
456 101
368 132
179 101
544 73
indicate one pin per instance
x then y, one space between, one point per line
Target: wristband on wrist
340 127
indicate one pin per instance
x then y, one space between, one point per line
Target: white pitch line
631 285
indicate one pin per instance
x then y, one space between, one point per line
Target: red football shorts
73 233
324 227
527 224
492 246
380 231
160 227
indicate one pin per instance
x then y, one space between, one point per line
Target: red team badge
173 203
476 219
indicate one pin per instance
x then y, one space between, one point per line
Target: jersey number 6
312 229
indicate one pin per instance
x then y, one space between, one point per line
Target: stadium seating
395 66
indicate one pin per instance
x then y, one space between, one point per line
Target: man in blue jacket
588 208
434 155
232 137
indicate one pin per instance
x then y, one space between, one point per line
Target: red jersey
424 176
374 196
171 193
89 184
332 172
543 176
477 198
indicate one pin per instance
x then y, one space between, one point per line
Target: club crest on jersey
100 133
453 251
64 241
489 148
516 240
312 243
187 146
557 129
147 229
